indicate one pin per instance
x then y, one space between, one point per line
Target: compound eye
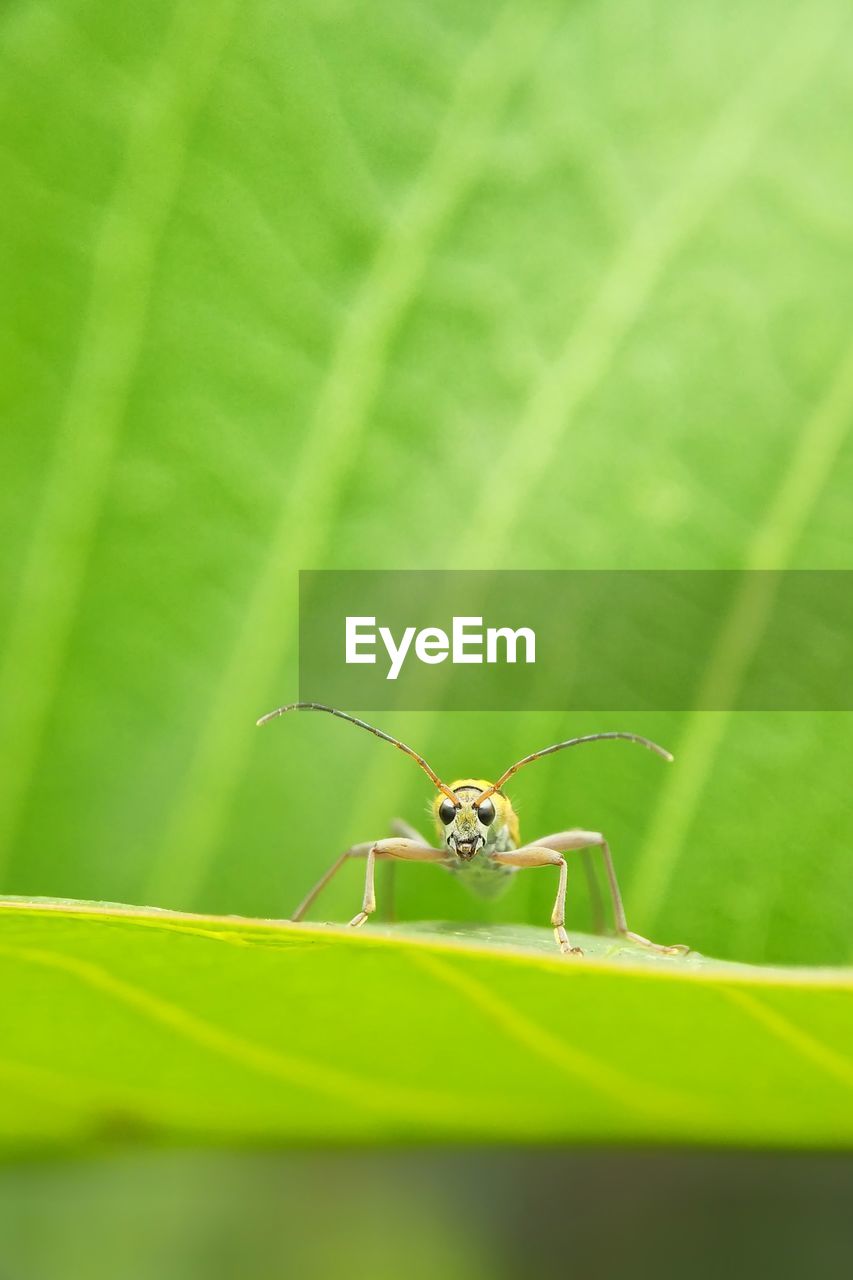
447 812
486 812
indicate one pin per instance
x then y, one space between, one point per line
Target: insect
479 836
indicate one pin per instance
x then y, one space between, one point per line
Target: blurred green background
462 1215
427 285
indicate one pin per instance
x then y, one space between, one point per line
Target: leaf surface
124 1023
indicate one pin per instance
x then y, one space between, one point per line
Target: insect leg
399 827
565 841
368 902
539 856
594 892
356 851
394 847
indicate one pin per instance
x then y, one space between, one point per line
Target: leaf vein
112 330
626 286
576 1063
330 444
288 1069
835 1064
810 466
636 270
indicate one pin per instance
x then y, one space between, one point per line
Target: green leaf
538 284
125 1023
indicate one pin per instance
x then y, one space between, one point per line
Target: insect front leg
399 827
355 851
394 847
567 841
536 855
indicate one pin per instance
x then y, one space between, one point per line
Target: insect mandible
479 836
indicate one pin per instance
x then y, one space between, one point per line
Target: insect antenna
573 742
362 724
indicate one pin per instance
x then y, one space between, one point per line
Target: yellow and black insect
479 835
